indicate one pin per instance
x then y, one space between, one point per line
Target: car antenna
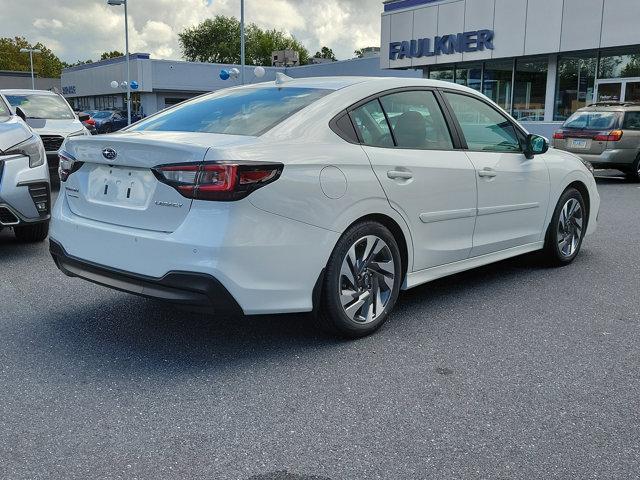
282 78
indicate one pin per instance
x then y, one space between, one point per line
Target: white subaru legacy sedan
321 194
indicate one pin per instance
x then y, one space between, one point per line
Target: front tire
32 233
567 228
361 282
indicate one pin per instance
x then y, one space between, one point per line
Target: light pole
242 41
126 46
31 51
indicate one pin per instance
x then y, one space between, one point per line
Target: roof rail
612 103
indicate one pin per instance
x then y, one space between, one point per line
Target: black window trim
456 139
520 132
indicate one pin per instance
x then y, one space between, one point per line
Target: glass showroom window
441 73
530 89
575 85
620 63
470 75
498 76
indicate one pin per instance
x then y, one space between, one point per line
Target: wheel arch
396 231
584 191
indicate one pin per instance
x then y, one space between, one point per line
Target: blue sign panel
389 7
465 42
70 90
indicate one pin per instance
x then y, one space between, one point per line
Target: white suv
327 194
49 115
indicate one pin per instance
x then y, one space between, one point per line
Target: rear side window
417 121
592 120
631 121
250 111
484 128
372 125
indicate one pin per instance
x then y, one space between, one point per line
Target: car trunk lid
116 183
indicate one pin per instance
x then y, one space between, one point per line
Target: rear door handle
396 174
487 172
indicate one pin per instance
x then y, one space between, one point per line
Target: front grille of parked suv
52 143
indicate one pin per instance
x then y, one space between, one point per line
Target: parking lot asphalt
509 371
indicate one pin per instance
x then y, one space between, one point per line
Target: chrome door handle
395 174
487 172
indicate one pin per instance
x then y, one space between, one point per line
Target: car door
119 121
430 182
513 191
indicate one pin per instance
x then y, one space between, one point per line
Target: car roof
611 107
383 83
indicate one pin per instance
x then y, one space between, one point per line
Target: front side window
36 105
484 128
247 111
417 121
4 109
372 125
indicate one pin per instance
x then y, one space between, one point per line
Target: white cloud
90 27
43 23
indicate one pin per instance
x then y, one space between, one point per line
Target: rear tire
32 233
634 173
566 230
361 282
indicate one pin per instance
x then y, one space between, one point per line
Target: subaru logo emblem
109 153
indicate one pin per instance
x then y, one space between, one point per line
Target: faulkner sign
446 45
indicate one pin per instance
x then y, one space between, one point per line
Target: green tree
217 40
112 54
45 64
325 52
359 53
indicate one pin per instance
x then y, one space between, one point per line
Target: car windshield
592 120
101 115
237 112
4 109
36 105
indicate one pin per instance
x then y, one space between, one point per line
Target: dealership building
540 60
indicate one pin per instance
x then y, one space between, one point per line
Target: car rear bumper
610 158
266 262
193 290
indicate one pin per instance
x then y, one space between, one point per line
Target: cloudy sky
82 29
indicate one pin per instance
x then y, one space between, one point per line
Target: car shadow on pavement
121 332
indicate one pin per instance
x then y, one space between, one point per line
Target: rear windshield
102 114
592 120
36 105
236 112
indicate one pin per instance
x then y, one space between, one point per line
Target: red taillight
559 135
67 165
91 121
218 181
612 136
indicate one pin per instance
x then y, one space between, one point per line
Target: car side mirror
21 114
84 118
535 145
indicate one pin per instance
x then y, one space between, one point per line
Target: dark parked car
88 122
107 121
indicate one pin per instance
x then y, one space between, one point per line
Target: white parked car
49 115
320 194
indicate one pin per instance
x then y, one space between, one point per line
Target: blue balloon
134 85
224 75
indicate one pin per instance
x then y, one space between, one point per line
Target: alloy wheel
570 225
366 279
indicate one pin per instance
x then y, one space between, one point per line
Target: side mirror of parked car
21 114
535 145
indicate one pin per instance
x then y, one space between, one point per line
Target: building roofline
108 61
